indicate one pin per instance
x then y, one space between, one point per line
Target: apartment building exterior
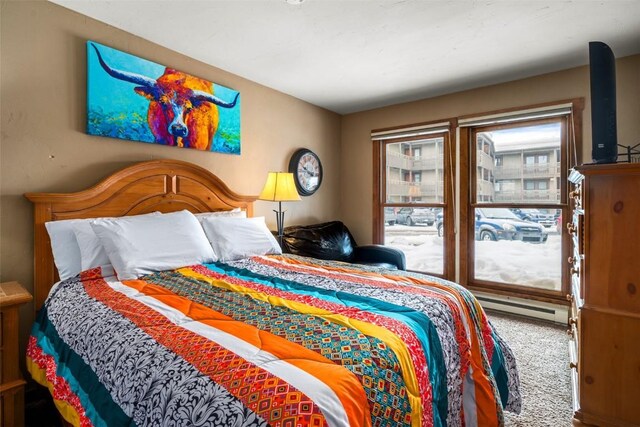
528 173
415 171
521 172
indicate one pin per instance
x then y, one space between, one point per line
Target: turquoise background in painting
115 110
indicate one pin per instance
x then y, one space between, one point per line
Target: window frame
380 191
467 262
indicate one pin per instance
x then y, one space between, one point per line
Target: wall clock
307 171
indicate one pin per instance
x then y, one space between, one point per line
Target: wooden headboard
158 185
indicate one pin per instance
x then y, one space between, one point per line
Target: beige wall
356 161
45 148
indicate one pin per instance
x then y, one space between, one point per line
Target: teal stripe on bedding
499 370
419 323
63 371
95 398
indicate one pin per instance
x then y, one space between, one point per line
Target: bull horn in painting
203 96
125 75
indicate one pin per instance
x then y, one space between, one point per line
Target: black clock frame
293 168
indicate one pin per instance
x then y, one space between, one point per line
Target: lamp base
280 223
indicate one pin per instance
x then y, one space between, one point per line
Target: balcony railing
484 160
528 196
397 188
398 160
484 188
542 170
401 161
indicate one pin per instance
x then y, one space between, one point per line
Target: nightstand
12 296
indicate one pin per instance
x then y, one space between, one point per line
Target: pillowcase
235 238
233 213
66 253
92 253
138 245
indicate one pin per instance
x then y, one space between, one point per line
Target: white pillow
66 253
235 238
233 213
142 245
92 253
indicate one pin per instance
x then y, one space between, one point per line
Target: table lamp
279 188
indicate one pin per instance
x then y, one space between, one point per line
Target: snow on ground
530 264
423 252
537 265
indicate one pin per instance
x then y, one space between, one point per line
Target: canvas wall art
135 99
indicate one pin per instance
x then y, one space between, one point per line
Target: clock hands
311 172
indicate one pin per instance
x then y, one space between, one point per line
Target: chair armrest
379 254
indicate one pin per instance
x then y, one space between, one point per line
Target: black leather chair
333 241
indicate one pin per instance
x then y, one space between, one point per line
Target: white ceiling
354 55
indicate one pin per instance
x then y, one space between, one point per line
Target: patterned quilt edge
41 375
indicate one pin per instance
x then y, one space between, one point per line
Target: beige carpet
542 355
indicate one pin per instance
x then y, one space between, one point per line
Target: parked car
502 224
535 215
440 224
389 216
413 216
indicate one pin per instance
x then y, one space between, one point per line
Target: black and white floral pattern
152 385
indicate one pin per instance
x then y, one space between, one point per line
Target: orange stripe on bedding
391 338
485 392
248 382
343 382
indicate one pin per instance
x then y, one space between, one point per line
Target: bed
276 340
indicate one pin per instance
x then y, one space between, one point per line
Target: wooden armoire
605 273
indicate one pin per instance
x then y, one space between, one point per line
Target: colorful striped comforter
279 341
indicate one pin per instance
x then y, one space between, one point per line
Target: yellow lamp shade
279 188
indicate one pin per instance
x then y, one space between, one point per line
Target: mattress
271 340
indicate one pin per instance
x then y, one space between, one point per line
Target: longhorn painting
135 99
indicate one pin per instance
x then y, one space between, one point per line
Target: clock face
307 171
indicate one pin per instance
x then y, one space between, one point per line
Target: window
533 159
537 184
512 231
513 193
414 191
415 229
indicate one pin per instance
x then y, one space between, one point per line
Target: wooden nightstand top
12 293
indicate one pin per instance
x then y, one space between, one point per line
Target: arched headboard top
157 185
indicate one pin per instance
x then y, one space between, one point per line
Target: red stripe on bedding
416 351
372 280
61 390
470 348
259 390
480 341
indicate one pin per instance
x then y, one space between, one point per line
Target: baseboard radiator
523 307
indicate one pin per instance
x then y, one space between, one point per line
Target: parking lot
405 230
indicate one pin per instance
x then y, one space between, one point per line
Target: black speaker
602 65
